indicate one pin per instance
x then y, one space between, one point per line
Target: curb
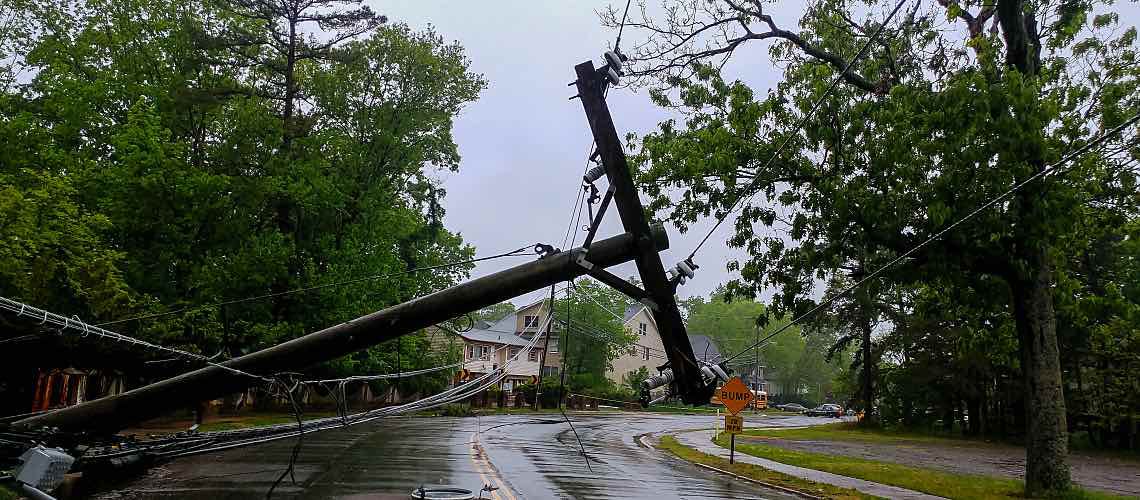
757 481
641 440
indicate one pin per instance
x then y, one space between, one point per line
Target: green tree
272 40
592 334
632 380
926 128
796 362
160 147
494 312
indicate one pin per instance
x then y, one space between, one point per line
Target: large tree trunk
290 84
1046 437
1046 440
868 379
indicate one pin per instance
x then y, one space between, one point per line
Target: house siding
628 361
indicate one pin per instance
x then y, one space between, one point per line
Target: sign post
736 396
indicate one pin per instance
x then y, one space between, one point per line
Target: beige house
489 345
648 350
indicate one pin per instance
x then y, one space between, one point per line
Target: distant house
488 346
756 377
704 348
648 351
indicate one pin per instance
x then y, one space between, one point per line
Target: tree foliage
795 364
152 162
593 334
955 103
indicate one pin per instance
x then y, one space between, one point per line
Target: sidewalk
700 440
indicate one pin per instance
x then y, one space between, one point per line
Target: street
526 456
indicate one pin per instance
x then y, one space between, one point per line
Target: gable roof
631 311
494 337
500 331
704 348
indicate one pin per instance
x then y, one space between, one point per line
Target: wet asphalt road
526 456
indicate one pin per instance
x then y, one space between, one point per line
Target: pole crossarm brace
114 413
623 286
658 289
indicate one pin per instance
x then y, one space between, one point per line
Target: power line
514 253
799 125
596 334
1042 173
617 42
86 329
257 435
571 224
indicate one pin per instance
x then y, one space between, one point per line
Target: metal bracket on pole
597 219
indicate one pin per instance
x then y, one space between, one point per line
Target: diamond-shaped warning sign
735 395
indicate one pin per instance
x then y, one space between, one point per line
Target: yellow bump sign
733 424
734 395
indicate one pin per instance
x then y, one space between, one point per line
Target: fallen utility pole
114 413
659 292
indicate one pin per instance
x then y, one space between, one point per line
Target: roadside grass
934 482
7 493
517 411
670 444
257 420
681 410
850 431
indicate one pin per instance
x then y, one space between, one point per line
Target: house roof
632 311
704 348
500 331
506 323
494 337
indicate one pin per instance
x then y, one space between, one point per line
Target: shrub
456 410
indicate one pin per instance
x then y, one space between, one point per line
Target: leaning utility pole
659 292
113 413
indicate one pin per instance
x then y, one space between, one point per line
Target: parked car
794 407
827 410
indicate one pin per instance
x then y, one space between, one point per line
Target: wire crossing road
526 456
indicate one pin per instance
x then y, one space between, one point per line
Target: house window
530 321
532 355
470 353
633 350
515 351
484 352
642 328
645 354
508 385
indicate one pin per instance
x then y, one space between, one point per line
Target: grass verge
670 444
850 431
7 493
934 482
258 420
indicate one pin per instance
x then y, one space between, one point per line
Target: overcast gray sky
524 144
